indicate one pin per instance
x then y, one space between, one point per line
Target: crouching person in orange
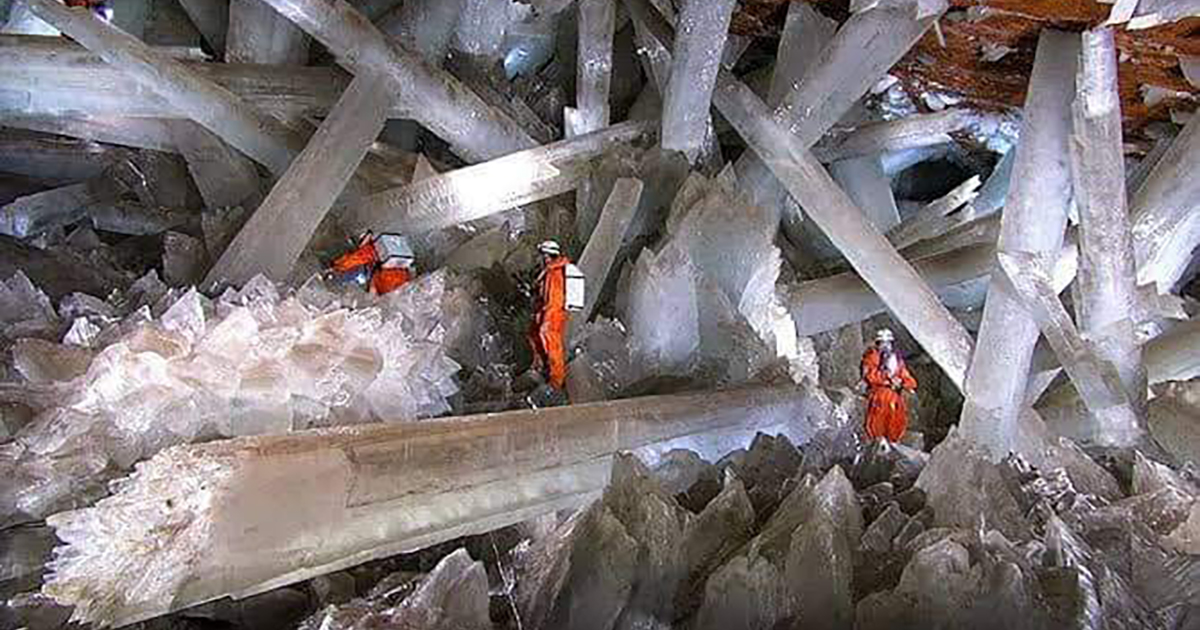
384 262
887 379
559 291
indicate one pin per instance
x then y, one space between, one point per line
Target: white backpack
576 290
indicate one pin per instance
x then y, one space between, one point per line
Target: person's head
884 339
549 250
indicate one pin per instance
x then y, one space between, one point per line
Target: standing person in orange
887 379
548 333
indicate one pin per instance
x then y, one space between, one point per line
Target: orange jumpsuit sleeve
872 372
363 256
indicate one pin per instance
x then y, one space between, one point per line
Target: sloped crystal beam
54 77
52 159
1106 293
695 59
597 19
863 180
862 51
257 34
1033 222
436 99
1166 226
225 177
477 191
277 233
911 132
282 509
605 243
33 214
261 137
1094 378
892 277
211 18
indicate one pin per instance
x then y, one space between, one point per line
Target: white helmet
549 248
884 334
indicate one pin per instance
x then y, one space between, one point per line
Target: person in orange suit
547 335
887 378
386 260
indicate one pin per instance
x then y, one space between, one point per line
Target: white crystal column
437 100
602 248
224 176
695 59
594 64
1033 222
1106 291
257 34
276 234
259 136
1166 226
864 181
282 509
425 26
139 133
477 191
863 50
889 275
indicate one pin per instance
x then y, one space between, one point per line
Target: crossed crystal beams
1033 222
889 275
282 509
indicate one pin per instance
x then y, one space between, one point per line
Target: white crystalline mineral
253 362
703 27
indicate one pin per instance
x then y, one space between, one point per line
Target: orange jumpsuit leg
551 334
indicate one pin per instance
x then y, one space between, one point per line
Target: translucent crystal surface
257 34
695 59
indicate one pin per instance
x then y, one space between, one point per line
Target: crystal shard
275 235
962 486
695 60
225 177
911 132
867 186
606 241
805 33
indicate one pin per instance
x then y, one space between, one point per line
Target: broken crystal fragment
962 485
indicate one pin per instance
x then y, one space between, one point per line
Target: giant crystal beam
238 517
477 191
1106 293
695 60
934 219
1166 226
45 76
605 243
597 19
1116 423
424 26
257 34
1033 222
52 159
861 52
274 237
258 135
436 99
140 133
869 253
805 34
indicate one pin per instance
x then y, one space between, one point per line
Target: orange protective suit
388 279
548 334
887 411
384 280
